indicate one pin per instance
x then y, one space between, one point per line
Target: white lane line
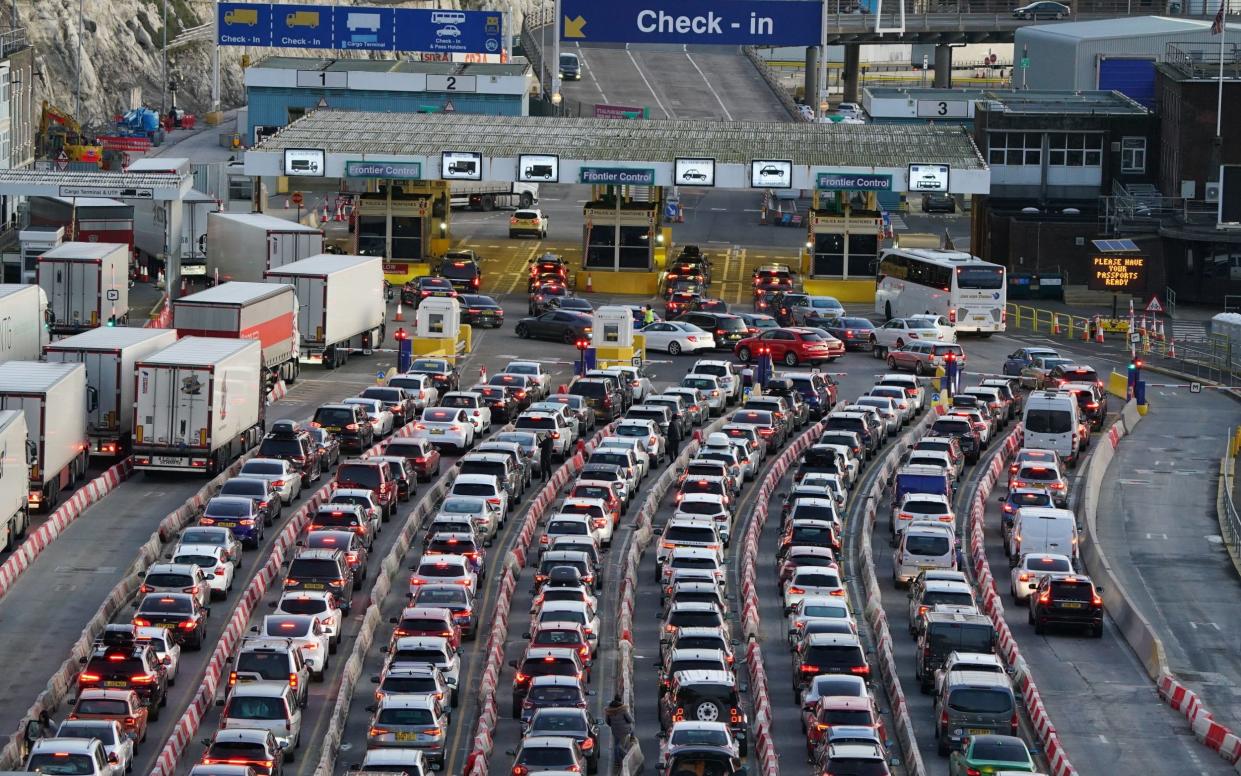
591 71
714 93
650 88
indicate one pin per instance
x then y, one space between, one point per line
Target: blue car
1022 497
1024 357
552 692
239 515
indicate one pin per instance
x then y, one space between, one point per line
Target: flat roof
925 93
72 183
85 251
1122 27
622 140
393 66
1077 103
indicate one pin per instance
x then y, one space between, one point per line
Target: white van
1051 423
924 545
1040 529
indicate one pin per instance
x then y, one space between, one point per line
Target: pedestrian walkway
1157 524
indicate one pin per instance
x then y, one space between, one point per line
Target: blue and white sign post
722 22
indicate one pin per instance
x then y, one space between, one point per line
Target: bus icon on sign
447 17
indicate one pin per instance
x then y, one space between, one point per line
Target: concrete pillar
853 60
943 66
812 77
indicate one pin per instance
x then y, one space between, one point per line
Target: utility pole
77 98
163 94
556 56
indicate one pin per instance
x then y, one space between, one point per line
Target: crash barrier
38 541
483 740
993 607
64 680
1133 625
365 639
769 760
161 315
873 610
187 727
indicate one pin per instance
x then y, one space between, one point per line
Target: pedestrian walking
620 722
648 316
545 456
674 440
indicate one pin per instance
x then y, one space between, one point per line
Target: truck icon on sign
302 19
246 16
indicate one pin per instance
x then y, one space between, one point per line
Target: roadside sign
1135 337
297 198
1025 63
636 361
1153 306
935 397
1195 387
62 161
113 295
720 22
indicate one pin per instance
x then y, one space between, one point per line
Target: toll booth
621 238
438 330
845 232
406 222
613 339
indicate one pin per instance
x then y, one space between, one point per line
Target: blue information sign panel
244 24
301 26
364 29
424 29
724 22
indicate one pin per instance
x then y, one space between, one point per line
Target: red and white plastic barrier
34 545
161 315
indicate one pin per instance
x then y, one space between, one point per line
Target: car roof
407 701
262 689
833 639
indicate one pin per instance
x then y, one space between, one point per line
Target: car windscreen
418 655
543 423
463 506
1048 421
816 580
202 561
255 708
227 507
408 685
101 706
1070 591
406 716
269 665
248 488
593 390
105 733
924 507
923 544
832 685
475 466
954 598
434 415
977 700
833 654
545 757
61 763
1035 563
275 448
703 383
689 533
459 270
364 475
696 618
700 508
166 605
333 416
168 579
303 606
474 489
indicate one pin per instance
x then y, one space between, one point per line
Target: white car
410 651
922 506
829 483
948 332
551 423
724 372
318 603
892 417
897 332
852 464
601 525
420 387
818 581
640 428
214 562
632 378
215 536
913 387
166 648
676 337
485 517
365 499
638 446
818 607
969 661
306 634
444 569
748 441
1031 569
569 524
739 449
693 560
279 472
555 408
534 370
381 418
694 398
707 506
445 427
712 393
580 612
476 409
486 486
116 742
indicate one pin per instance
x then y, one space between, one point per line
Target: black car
570 303
462 269
727 329
349 422
503 405
322 569
328 445
481 311
548 268
705 696
181 613
413 292
556 325
938 202
782 305
1044 9
118 668
539 297
264 495
854 332
963 430
440 370
1072 600
708 305
396 400
288 442
602 397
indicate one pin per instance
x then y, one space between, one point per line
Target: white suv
730 381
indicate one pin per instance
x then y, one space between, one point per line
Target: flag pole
1219 99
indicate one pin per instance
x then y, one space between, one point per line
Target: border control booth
412 160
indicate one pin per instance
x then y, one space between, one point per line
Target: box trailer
23 322
266 312
87 285
341 306
198 405
156 237
242 246
86 219
109 354
16 455
55 400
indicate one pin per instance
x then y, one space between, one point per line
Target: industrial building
280 90
1107 54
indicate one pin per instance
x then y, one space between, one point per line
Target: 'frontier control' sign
385 170
852 181
1118 274
616 176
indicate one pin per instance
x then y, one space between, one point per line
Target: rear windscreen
832 654
930 598
1070 591
963 637
594 390
170 580
364 475
981 701
1048 421
269 665
916 544
314 568
333 417
689 533
275 448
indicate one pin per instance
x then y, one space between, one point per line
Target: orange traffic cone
1098 330
340 212
1086 330
1171 349
326 213
184 287
482 374
590 286
1159 332
400 315
1055 325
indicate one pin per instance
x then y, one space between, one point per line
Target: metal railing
12 40
1229 520
1128 213
1200 61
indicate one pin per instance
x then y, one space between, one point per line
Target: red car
791 346
372 476
419 454
604 493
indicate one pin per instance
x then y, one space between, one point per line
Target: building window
1133 154
1015 148
1075 149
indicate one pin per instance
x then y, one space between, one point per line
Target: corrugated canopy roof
737 142
393 66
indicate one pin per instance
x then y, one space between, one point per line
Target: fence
1229 521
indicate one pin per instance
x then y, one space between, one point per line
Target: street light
556 98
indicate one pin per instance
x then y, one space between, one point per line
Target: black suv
728 329
347 421
963 430
413 292
1067 601
396 400
601 395
287 442
462 270
264 495
705 696
322 570
782 305
127 668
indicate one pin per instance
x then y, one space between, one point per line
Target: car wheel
744 355
569 337
522 331
891 363
919 369
790 358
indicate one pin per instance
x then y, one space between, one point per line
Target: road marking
591 71
1102 738
659 102
711 88
719 210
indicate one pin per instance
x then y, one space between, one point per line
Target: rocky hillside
121 51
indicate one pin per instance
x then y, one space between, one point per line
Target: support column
812 78
853 60
943 66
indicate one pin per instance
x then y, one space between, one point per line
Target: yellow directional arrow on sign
573 27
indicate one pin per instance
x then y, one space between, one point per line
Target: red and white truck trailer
266 312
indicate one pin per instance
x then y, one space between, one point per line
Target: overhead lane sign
723 22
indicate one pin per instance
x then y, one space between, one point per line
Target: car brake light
187 625
1044 597
1096 599
860 670
86 677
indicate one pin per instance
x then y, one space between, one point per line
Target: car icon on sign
693 175
771 171
448 31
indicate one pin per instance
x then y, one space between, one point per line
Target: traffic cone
288 203
1086 329
1159 331
340 212
326 213
1098 330
590 286
184 288
482 374
1171 349
159 279
1055 325
400 315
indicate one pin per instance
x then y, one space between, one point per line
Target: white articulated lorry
23 322
110 354
266 312
198 405
16 453
87 285
242 246
340 305
55 400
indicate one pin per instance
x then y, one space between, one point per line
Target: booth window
407 237
863 254
829 254
601 247
635 247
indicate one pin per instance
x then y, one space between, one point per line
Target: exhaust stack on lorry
55 400
242 246
87 285
266 312
16 453
110 354
198 405
341 305
23 322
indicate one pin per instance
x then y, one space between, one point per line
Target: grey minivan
974 703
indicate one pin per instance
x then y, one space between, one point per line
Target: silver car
280 473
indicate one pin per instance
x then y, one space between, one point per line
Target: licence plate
1072 605
164 625
169 460
313 585
406 736
978 731
226 524
116 684
437 431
